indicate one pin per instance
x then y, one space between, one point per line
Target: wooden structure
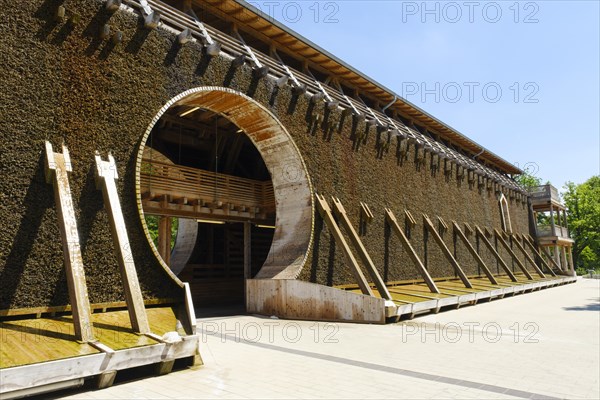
228 164
552 231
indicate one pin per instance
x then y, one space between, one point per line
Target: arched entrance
222 166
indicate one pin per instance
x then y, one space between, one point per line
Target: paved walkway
538 345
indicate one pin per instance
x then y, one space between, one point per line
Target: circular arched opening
223 194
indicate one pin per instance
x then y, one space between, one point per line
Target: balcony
544 195
547 231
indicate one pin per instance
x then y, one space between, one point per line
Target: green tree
583 215
527 180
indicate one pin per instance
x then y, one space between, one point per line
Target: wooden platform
37 352
415 297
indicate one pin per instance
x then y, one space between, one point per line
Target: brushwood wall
62 83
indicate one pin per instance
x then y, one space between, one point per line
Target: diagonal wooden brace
473 252
512 254
106 177
527 256
532 247
491 248
391 220
362 251
325 213
436 236
56 170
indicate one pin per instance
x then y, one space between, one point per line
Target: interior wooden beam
164 238
512 254
326 215
393 223
106 176
491 248
473 252
436 236
362 251
528 257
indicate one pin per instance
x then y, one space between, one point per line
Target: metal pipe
389 105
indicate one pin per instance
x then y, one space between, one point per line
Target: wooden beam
551 258
436 236
491 248
512 254
528 257
164 238
57 170
106 176
362 251
393 223
532 247
473 252
325 213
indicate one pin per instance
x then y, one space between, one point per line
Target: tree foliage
583 215
528 180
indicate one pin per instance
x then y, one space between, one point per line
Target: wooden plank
57 168
528 257
473 252
436 236
362 251
106 176
391 220
491 248
325 213
532 247
512 254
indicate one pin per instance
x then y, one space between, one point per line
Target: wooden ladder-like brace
491 248
393 223
57 170
325 213
473 252
362 251
512 254
106 177
515 240
436 236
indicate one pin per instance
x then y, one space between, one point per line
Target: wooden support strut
325 213
473 252
436 236
512 254
532 247
491 248
106 177
362 251
57 168
527 256
391 220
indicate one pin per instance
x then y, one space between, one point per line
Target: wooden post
391 220
527 257
106 176
552 221
164 239
473 252
512 254
247 251
325 213
362 251
563 253
57 168
491 248
446 251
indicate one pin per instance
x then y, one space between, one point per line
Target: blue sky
520 78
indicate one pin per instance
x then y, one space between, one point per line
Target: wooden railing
544 192
179 182
546 230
